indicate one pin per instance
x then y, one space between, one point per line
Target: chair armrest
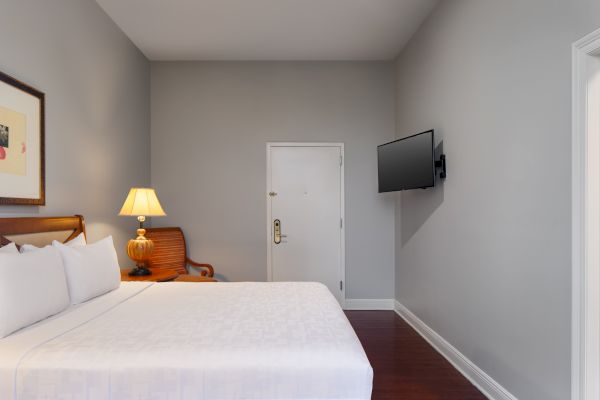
211 270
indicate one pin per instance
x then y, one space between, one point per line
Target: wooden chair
170 252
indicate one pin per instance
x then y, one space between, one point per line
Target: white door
305 214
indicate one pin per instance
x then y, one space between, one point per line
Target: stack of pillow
36 283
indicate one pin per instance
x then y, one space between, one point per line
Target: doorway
305 214
585 363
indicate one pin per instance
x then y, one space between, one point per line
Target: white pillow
10 248
78 240
91 270
33 286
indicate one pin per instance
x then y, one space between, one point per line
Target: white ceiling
269 29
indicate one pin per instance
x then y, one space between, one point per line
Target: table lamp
141 203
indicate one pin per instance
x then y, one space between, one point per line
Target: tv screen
407 163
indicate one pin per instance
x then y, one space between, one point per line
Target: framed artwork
22 179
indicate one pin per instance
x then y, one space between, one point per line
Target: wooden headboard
26 225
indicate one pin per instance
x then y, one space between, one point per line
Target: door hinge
341 223
341 160
341 285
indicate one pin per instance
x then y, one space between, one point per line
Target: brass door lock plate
277 231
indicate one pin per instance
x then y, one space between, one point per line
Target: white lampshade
142 202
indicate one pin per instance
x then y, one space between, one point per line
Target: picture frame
22 143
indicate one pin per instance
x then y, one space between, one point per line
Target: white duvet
191 341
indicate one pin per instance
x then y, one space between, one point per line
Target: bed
178 340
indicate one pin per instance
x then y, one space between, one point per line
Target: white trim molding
369 304
488 386
585 350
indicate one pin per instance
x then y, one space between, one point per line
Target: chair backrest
169 249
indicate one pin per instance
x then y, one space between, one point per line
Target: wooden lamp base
139 250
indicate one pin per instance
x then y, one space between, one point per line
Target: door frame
585 338
342 270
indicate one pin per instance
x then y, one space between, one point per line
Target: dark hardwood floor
406 367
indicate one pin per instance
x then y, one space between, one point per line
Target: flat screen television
407 163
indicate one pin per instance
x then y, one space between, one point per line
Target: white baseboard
488 386
369 304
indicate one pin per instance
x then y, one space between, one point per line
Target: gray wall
97 108
485 258
210 125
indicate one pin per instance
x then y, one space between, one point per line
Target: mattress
275 340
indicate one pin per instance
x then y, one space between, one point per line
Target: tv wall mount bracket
441 165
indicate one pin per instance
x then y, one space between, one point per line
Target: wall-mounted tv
407 163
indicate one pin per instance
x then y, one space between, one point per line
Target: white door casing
305 192
585 365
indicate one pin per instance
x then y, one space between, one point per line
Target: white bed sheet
184 341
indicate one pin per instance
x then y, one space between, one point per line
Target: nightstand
158 275
195 278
